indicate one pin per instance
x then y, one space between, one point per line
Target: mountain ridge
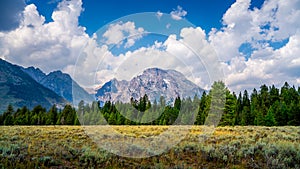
20 89
154 82
59 82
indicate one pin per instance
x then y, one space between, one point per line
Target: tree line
39 116
268 106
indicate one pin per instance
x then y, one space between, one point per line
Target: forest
268 106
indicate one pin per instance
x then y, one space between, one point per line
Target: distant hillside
20 89
61 83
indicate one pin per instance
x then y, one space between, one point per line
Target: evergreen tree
81 109
218 99
239 109
264 99
293 115
259 119
246 113
203 109
274 94
67 117
8 115
228 117
269 118
267 107
254 107
38 115
20 116
177 103
284 93
112 119
52 116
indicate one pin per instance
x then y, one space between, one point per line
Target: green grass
227 147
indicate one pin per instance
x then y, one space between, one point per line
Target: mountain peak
35 73
154 70
61 83
19 88
58 73
154 82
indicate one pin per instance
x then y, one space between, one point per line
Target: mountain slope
35 73
20 89
64 85
61 83
154 82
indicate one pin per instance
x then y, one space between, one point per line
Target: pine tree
239 109
228 117
254 107
20 116
218 99
177 103
269 118
264 99
38 115
246 113
284 93
8 115
112 119
274 94
203 107
80 110
259 119
52 116
293 115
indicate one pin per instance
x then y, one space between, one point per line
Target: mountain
61 83
35 73
20 89
154 82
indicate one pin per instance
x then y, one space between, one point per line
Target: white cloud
190 53
237 29
87 65
274 22
178 14
56 45
32 17
50 46
119 32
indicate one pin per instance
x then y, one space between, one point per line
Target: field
202 147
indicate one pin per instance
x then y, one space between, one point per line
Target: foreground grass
225 147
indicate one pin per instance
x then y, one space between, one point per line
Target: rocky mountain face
154 82
35 73
61 83
20 89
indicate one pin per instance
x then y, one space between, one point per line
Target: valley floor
202 147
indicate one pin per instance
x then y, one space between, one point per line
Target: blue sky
207 14
251 42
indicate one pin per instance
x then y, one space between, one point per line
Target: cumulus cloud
201 56
119 32
50 46
90 63
274 22
56 45
189 53
178 14
196 52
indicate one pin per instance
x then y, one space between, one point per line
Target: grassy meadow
226 147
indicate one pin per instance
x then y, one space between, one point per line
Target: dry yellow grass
75 147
